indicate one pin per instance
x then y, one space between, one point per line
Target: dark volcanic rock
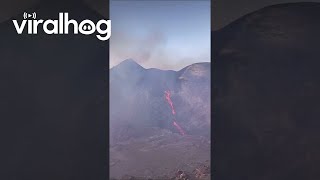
266 91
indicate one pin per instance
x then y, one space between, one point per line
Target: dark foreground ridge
54 104
266 82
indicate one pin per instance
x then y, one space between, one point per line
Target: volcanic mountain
137 97
141 120
266 95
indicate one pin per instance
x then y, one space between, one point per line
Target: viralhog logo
61 26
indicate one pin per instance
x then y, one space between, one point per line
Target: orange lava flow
168 99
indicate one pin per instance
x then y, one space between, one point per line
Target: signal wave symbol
27 15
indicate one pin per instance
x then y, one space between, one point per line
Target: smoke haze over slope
143 125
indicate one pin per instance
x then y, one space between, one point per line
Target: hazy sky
161 34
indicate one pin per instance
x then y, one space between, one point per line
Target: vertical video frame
160 111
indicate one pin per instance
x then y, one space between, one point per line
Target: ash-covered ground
160 156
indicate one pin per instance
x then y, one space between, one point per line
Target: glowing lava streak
179 128
168 98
